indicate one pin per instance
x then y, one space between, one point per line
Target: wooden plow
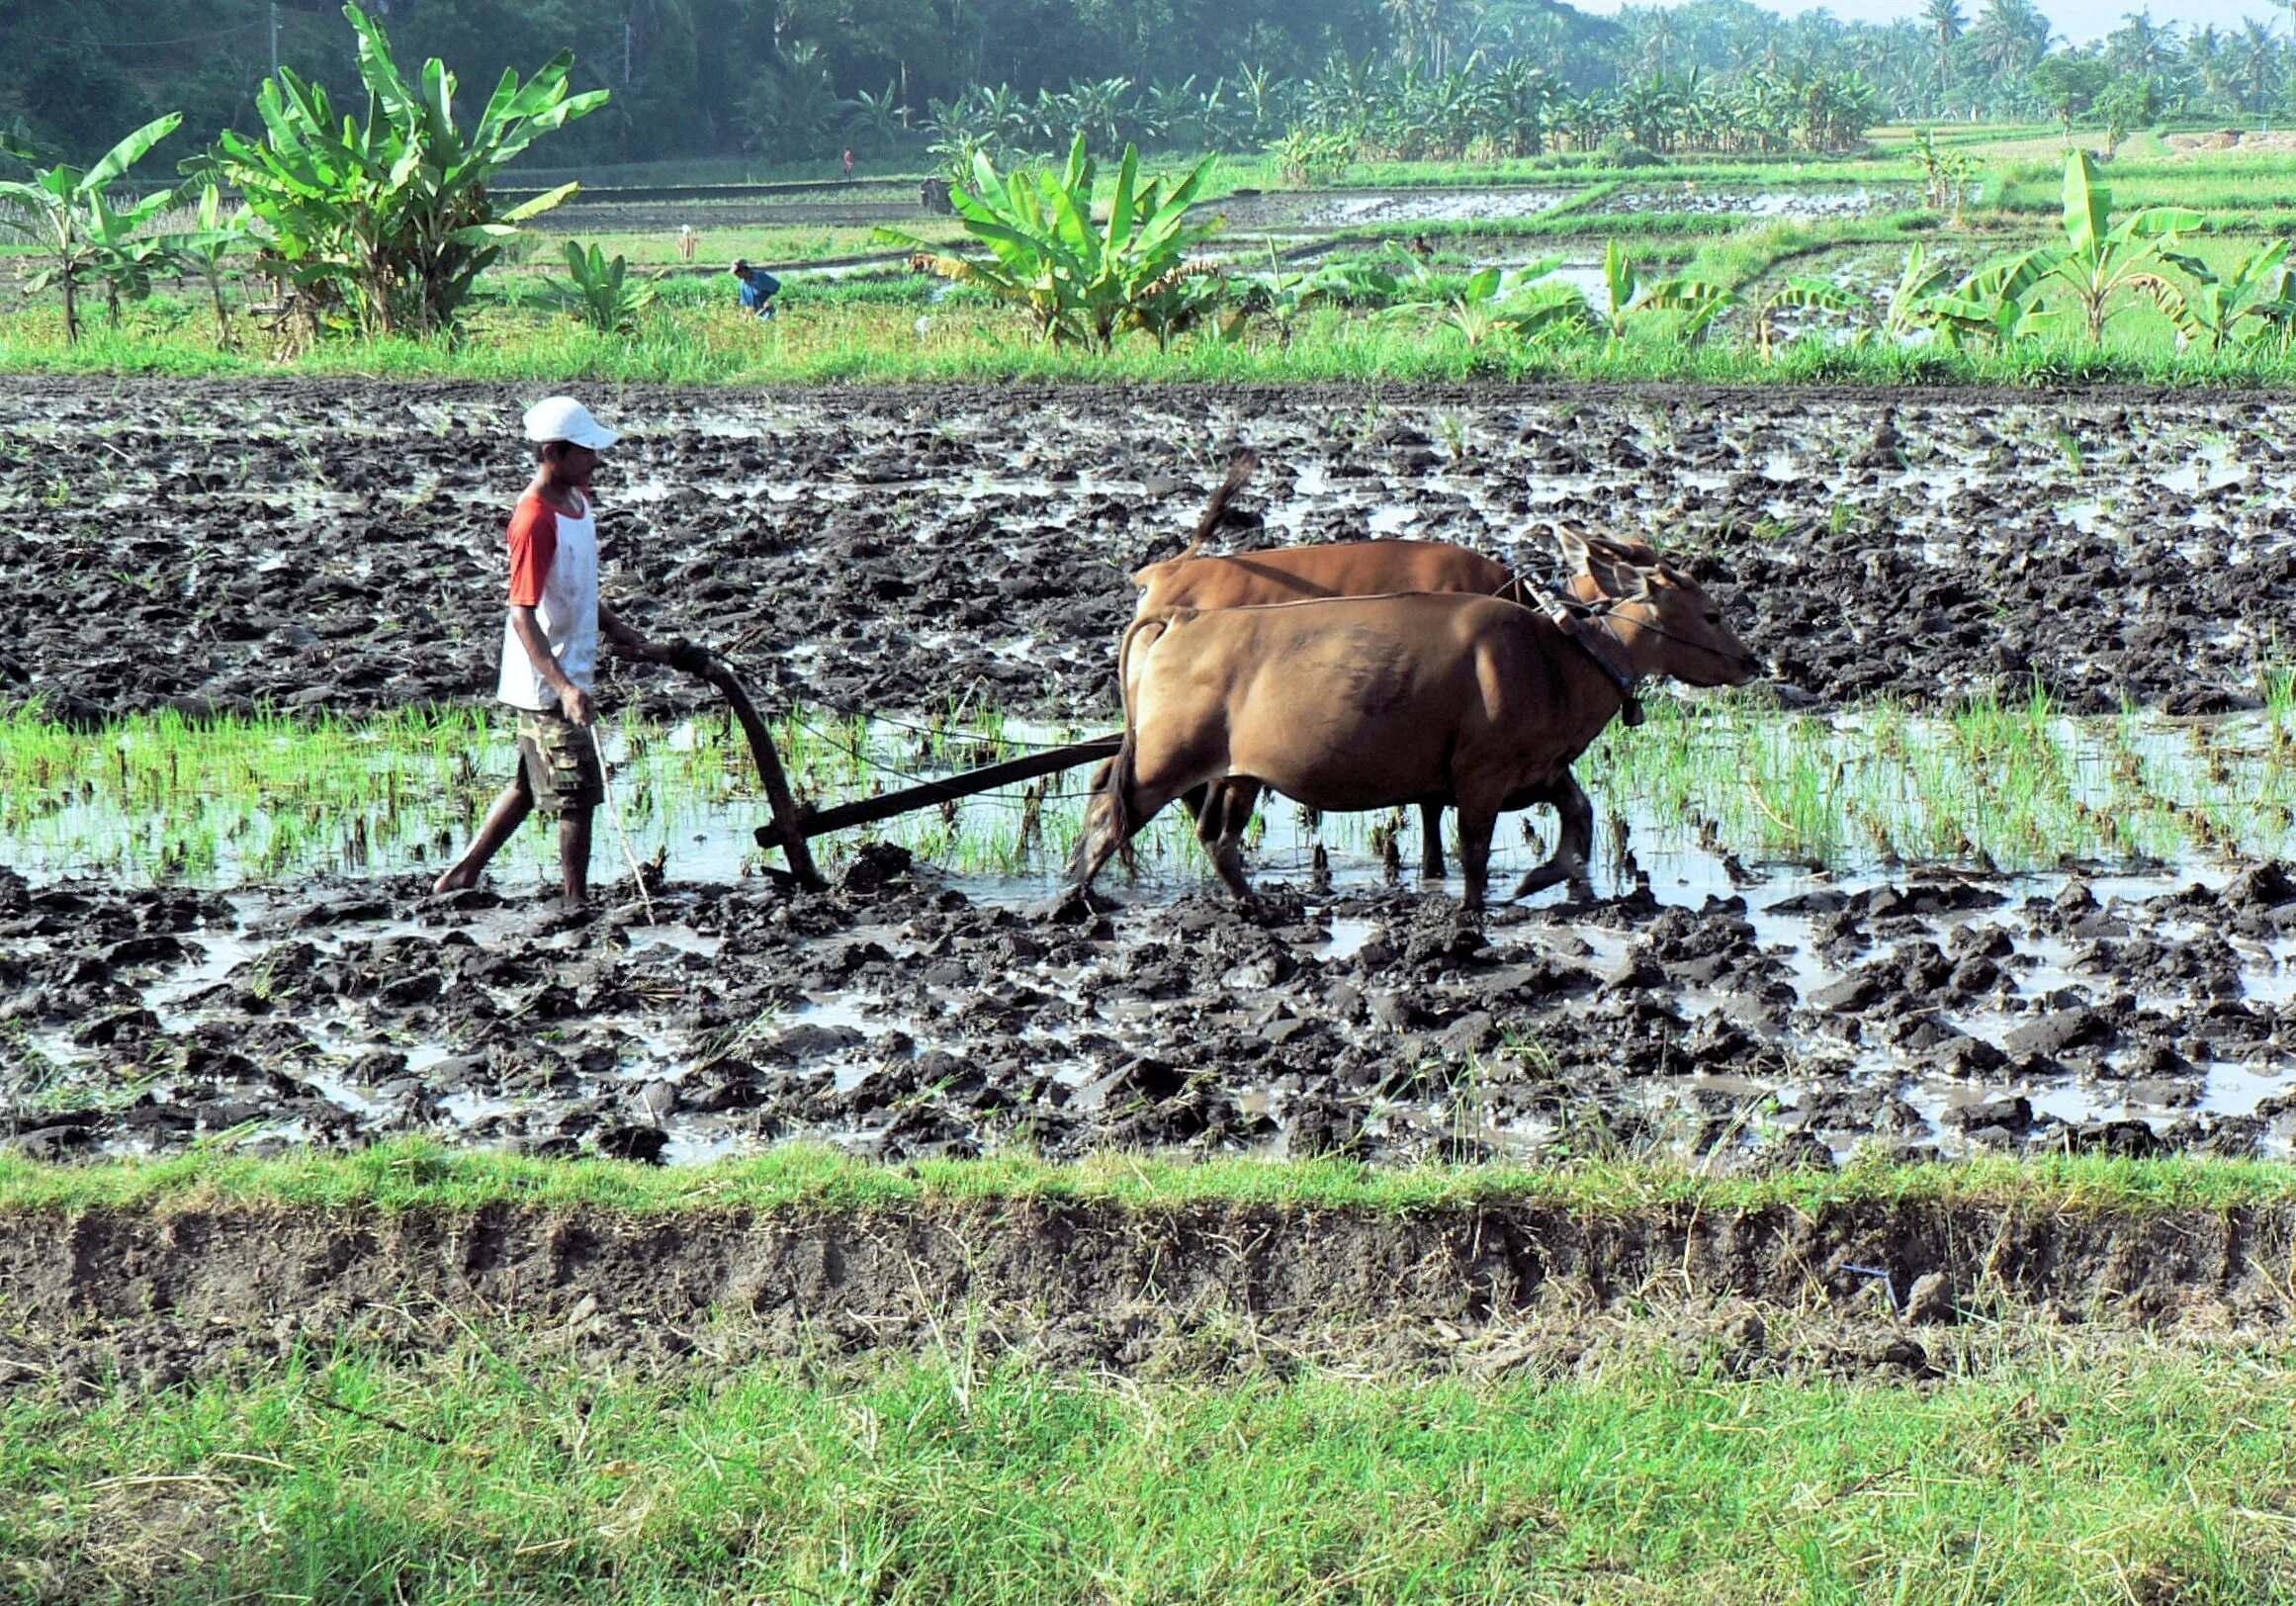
793 826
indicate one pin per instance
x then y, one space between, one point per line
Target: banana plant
1698 302
1284 298
1999 304
597 290
1802 293
394 217
215 236
83 236
2100 256
1526 304
2211 310
1077 279
1908 307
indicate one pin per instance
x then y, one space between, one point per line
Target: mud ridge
161 1296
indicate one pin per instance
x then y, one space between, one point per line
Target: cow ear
1573 548
1616 579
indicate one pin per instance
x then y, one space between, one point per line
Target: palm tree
1945 21
2141 47
2205 50
2011 37
2256 54
1663 41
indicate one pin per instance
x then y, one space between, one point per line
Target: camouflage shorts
560 761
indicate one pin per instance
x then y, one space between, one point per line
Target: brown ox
1339 569
1354 703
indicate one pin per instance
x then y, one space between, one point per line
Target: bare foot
453 881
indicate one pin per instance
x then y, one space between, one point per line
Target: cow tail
1240 471
1108 816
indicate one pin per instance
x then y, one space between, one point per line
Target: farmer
550 646
758 288
848 162
685 242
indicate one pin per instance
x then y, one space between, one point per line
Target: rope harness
1594 638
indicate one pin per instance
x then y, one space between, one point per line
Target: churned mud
1934 1013
337 547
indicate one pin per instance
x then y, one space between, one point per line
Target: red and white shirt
554 570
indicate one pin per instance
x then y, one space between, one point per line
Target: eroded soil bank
1904 1290
338 544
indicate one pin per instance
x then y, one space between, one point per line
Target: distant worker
685 242
758 288
550 648
848 162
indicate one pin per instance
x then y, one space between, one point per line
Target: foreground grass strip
507 1472
420 1174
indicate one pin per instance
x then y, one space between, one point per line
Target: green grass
160 797
506 1471
413 1173
856 335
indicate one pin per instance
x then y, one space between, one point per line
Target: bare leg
1573 844
574 853
1431 842
503 817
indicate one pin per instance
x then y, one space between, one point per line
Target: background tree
80 233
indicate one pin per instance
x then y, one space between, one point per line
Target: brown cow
1355 703
1336 569
1296 574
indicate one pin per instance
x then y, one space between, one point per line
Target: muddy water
1700 1004
1344 209
337 547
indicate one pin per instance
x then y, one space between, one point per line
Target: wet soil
1898 1292
338 545
899 1015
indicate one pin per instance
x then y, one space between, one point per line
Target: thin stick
614 812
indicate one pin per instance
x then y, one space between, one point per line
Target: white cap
562 417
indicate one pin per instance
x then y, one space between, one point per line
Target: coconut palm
2142 47
2255 54
2010 37
1945 24
2207 54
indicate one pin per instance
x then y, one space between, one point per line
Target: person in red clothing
550 648
848 162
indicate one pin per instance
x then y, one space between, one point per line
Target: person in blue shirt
758 288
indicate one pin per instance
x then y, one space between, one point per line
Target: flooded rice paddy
2001 871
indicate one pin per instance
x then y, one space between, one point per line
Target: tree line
803 79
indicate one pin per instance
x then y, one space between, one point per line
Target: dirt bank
1900 1291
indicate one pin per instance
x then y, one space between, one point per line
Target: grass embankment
513 1464
904 341
2017 784
408 1174
507 1472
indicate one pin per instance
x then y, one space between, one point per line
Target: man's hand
575 703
